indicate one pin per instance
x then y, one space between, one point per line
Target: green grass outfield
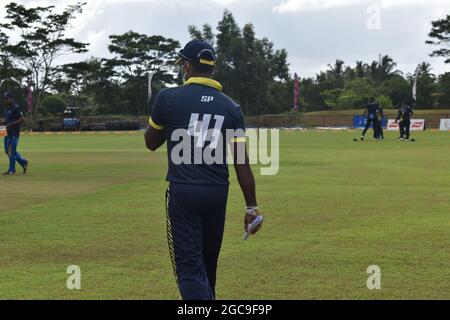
336 207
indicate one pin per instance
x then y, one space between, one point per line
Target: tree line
251 69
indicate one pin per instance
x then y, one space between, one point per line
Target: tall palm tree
425 70
373 70
360 69
386 67
426 85
337 70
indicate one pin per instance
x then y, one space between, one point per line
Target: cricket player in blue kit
197 195
372 111
13 119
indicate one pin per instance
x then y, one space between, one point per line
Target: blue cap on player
7 95
198 51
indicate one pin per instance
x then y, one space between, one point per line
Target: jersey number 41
201 130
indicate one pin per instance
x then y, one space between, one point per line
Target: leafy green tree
103 89
385 102
280 98
397 88
72 77
381 70
311 98
230 50
360 69
355 94
443 91
373 70
426 85
41 40
206 34
8 71
53 105
75 81
352 87
92 85
332 97
336 70
440 36
135 55
386 68
251 71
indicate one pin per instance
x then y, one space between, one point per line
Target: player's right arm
155 135
154 138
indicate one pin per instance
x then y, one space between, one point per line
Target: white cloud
306 5
312 41
289 6
387 4
96 40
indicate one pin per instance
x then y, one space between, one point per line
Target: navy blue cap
7 95
198 51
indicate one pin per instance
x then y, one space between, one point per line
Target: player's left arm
244 172
247 183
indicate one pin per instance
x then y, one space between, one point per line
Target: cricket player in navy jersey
196 199
404 119
378 133
13 119
371 110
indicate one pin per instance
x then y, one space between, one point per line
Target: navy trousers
370 121
195 226
405 126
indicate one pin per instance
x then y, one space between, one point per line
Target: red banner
416 125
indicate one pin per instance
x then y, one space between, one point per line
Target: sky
314 32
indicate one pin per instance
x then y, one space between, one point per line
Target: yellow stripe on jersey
204 81
239 140
154 125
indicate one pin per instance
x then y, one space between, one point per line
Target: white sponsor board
445 125
416 125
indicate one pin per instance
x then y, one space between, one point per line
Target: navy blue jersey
380 113
12 114
199 115
406 113
372 109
